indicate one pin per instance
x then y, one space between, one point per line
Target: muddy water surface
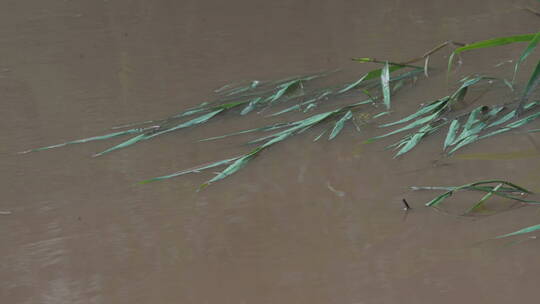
304 223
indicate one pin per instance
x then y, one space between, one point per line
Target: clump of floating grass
246 98
466 128
495 187
255 96
233 165
428 119
339 116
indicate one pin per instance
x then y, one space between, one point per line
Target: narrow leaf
412 125
124 144
195 170
233 168
521 231
451 136
434 202
385 79
424 110
339 125
485 198
528 50
198 120
463 143
89 139
490 43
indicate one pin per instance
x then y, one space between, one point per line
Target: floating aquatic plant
379 85
495 187
501 188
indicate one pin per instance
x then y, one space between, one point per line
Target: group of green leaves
255 95
500 188
467 128
337 119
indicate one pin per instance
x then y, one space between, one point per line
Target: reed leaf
465 141
368 76
124 144
196 121
385 84
528 50
521 231
89 139
251 105
262 129
232 168
489 43
424 110
451 135
339 125
434 202
533 82
416 123
485 198
188 171
415 139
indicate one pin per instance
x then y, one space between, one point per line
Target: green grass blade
528 50
491 181
381 114
415 139
385 84
499 131
285 88
412 125
503 119
320 135
451 135
251 106
339 125
434 202
353 85
531 84
188 171
523 121
521 231
485 198
89 139
278 139
489 43
262 129
509 84
424 110
495 42
233 168
292 108
473 118
196 121
463 143
368 76
124 144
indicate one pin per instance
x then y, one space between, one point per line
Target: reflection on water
304 223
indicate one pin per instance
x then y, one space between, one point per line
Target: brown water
76 229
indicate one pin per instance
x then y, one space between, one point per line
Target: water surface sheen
305 222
